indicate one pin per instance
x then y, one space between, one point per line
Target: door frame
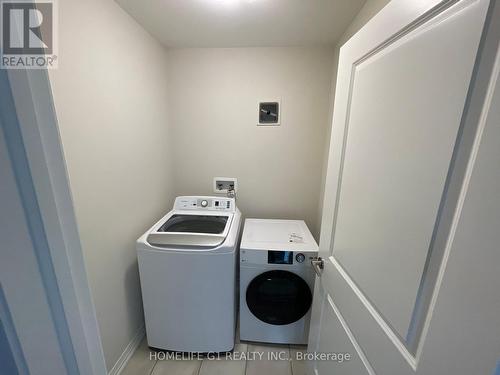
29 122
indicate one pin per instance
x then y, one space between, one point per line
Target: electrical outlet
223 184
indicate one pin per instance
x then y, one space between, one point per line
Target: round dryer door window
278 297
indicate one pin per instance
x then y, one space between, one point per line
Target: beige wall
213 111
370 9
110 92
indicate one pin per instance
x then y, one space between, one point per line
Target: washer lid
267 234
194 229
194 224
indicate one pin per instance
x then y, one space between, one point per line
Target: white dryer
276 281
187 265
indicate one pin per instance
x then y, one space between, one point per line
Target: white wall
213 112
110 92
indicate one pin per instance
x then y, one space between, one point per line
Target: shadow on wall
133 294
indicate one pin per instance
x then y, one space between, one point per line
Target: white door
47 318
411 216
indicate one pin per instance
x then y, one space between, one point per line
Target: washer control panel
205 203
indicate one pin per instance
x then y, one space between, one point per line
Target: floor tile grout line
199 367
153 368
246 366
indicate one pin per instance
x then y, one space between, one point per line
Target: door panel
393 180
402 91
335 336
25 309
466 318
383 348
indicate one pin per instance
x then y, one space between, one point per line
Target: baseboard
128 352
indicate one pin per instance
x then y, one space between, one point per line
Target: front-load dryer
187 266
276 281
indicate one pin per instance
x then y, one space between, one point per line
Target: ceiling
243 23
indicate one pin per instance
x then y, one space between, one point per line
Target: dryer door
278 297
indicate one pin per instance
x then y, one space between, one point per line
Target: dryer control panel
204 203
276 257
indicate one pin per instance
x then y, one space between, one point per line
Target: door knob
318 264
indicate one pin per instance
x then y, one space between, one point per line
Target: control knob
300 257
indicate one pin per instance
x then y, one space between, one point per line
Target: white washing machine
187 266
276 281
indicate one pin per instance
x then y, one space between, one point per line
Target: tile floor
142 364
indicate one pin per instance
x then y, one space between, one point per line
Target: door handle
318 264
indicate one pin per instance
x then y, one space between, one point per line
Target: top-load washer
276 281
187 265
